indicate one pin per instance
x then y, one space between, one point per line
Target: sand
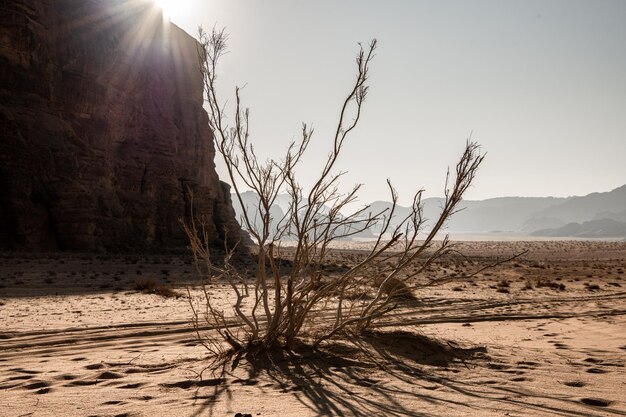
77 339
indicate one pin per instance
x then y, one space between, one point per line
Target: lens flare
167 6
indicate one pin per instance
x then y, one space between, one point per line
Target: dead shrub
151 285
146 284
281 306
395 288
546 283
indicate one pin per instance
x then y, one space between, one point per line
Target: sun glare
169 6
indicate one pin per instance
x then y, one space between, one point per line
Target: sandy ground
77 339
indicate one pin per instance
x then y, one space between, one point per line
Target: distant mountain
594 228
544 215
581 209
494 214
251 204
620 217
278 210
542 223
498 214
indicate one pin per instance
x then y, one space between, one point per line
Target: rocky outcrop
102 129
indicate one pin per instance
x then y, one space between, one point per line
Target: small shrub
395 288
550 284
146 284
286 303
150 285
503 286
166 291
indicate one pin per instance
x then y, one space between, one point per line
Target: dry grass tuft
503 286
151 285
397 288
550 284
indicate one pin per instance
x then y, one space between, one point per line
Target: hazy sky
541 85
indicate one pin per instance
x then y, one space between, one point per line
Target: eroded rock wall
102 130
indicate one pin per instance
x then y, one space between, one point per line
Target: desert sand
544 334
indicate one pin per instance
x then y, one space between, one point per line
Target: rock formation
102 130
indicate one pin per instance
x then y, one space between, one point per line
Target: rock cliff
102 130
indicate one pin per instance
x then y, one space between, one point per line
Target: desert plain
110 335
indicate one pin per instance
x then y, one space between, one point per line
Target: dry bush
394 287
548 283
150 285
503 286
307 300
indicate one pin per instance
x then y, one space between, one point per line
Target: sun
169 7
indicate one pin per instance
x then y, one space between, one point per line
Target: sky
540 85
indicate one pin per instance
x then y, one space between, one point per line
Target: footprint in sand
597 371
189 383
66 377
521 379
527 365
82 383
596 402
603 363
498 366
108 375
114 402
20 378
513 372
42 387
37 385
557 344
24 371
132 386
144 398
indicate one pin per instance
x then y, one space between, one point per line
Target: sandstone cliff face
102 130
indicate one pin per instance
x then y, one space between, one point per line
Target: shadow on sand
390 373
345 378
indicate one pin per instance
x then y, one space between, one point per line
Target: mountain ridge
526 215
